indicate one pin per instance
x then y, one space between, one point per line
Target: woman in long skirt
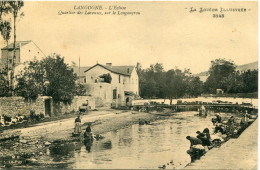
77 125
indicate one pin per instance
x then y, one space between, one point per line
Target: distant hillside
250 66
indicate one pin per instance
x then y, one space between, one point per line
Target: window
114 94
29 50
10 61
85 80
118 78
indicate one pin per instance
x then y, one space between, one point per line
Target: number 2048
218 15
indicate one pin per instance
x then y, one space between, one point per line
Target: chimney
109 65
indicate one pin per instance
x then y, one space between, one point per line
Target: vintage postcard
129 84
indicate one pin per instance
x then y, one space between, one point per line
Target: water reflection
138 146
88 145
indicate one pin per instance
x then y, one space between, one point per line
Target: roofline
38 48
5 48
106 69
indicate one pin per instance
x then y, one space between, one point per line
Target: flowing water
137 146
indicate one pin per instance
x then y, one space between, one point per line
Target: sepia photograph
128 84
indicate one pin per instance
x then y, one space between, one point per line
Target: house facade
124 85
24 51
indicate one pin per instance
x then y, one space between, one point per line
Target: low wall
61 108
17 105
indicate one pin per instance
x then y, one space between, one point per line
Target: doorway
47 103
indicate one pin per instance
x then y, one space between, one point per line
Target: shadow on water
60 150
88 145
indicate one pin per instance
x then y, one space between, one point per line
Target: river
137 146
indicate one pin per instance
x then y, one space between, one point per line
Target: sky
164 32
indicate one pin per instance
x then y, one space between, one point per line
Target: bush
7 118
66 113
26 117
41 115
37 117
107 78
32 114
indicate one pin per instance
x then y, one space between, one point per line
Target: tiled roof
82 70
124 70
18 44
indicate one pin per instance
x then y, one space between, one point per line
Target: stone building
25 51
123 87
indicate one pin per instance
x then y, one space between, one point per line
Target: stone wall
17 105
61 108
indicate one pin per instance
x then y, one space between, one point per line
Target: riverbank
240 153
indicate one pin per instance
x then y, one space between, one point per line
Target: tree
30 81
61 78
220 71
151 81
15 8
250 81
4 89
4 9
80 90
176 82
107 78
5 32
234 83
195 87
61 87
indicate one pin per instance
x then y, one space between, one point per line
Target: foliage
7 118
177 83
52 69
220 73
80 90
223 76
61 78
250 81
150 81
195 87
15 7
154 82
5 29
34 116
107 78
4 89
30 82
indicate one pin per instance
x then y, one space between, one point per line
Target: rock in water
47 143
23 141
